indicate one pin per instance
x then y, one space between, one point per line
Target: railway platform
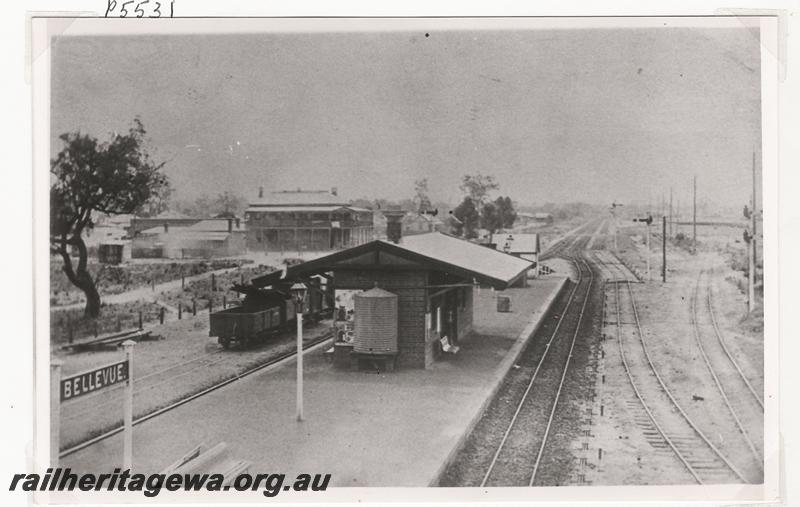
364 428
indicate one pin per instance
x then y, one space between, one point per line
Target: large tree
506 211
491 219
90 177
468 215
477 187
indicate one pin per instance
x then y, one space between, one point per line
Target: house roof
209 229
518 243
303 209
439 251
291 209
213 225
299 198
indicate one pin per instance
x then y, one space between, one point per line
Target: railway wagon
262 314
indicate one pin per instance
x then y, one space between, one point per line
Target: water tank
375 322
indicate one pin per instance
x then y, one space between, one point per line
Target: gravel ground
666 317
185 361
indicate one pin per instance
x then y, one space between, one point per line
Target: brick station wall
465 315
409 285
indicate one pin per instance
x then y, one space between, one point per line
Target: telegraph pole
755 212
694 217
664 249
670 211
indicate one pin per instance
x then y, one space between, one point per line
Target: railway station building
433 277
303 220
524 245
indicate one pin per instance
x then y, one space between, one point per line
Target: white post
648 252
127 415
55 410
300 363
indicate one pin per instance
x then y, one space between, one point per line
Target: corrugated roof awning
435 250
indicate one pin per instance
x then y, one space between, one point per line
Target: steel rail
566 368
727 352
639 396
717 382
141 389
671 397
513 421
172 406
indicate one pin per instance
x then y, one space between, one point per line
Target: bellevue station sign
88 382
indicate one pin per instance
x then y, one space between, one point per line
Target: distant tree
363 203
469 216
228 205
224 205
421 200
477 187
159 203
507 213
89 176
491 219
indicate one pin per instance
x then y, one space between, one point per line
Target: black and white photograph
494 258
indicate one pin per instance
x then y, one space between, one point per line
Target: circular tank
375 322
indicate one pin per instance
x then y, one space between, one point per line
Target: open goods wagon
261 315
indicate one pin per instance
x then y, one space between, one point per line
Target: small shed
524 245
112 252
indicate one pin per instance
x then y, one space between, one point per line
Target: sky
593 115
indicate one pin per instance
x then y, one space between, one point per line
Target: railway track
519 455
273 361
743 404
514 444
710 303
666 425
613 270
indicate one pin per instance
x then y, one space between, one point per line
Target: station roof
434 250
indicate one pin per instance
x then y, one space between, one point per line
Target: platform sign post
75 386
55 411
127 415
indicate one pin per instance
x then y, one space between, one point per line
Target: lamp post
298 291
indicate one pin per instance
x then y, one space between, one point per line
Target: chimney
166 227
230 225
334 191
394 223
260 192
